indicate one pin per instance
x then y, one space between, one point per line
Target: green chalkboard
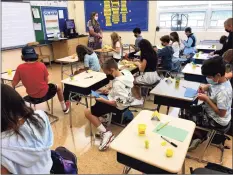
39 33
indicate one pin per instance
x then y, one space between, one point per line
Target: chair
210 136
41 57
36 101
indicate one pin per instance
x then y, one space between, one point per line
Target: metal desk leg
90 122
70 114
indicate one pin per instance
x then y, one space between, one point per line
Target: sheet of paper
171 132
36 13
37 26
61 14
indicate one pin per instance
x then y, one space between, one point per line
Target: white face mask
96 18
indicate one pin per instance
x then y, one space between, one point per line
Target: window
200 14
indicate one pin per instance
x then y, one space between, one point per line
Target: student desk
67 60
193 74
82 85
132 153
103 51
168 95
201 57
206 48
133 70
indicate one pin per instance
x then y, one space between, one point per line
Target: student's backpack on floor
64 161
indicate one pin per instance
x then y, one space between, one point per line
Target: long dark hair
175 37
82 50
93 21
14 110
147 50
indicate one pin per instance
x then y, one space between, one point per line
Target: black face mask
227 30
110 77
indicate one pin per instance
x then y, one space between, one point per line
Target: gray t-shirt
221 95
138 39
92 62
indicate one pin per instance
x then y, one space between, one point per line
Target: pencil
162 126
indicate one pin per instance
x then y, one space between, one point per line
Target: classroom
116 87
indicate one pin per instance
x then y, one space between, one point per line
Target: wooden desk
131 150
64 48
168 95
70 60
201 57
206 48
191 74
82 85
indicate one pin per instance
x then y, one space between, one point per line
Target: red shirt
34 77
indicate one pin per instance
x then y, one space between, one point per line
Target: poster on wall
51 22
119 15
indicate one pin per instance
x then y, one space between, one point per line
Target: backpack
64 161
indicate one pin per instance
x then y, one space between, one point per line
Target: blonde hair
115 38
228 56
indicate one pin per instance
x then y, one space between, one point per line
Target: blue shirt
138 39
187 46
92 62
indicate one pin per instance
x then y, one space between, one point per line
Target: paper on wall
61 14
35 13
37 26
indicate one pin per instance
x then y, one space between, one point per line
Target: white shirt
118 55
176 48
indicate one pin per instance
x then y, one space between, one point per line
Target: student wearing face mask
95 32
216 95
138 36
119 99
228 25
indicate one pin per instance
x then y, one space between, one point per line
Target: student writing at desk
217 98
119 98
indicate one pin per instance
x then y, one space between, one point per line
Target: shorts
100 109
147 78
51 91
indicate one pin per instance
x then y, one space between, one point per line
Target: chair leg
55 118
52 106
168 107
48 105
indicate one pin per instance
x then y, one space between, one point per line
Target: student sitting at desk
138 36
166 53
116 46
89 57
34 76
189 45
147 65
26 136
217 97
119 98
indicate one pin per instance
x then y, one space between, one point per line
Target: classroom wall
76 12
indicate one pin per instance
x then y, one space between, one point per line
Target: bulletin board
118 15
56 13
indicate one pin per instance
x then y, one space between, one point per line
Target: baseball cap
29 53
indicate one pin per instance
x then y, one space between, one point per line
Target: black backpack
64 161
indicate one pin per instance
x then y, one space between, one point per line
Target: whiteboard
17 24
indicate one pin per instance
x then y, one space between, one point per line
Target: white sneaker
107 138
137 102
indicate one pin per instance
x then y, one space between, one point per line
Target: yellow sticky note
163 143
169 152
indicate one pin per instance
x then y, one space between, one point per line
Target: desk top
202 56
68 59
206 47
83 79
169 90
156 154
5 76
188 69
103 50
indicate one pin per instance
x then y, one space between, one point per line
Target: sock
63 105
101 128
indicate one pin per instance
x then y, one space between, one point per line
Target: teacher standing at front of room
95 32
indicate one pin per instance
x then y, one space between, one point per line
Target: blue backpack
64 161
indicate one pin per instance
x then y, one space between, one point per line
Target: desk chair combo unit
41 56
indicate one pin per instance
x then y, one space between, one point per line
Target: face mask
227 30
96 18
110 77
210 81
135 35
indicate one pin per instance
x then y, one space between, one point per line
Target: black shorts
51 91
100 109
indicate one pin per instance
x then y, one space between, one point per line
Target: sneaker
68 105
137 102
195 143
107 138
